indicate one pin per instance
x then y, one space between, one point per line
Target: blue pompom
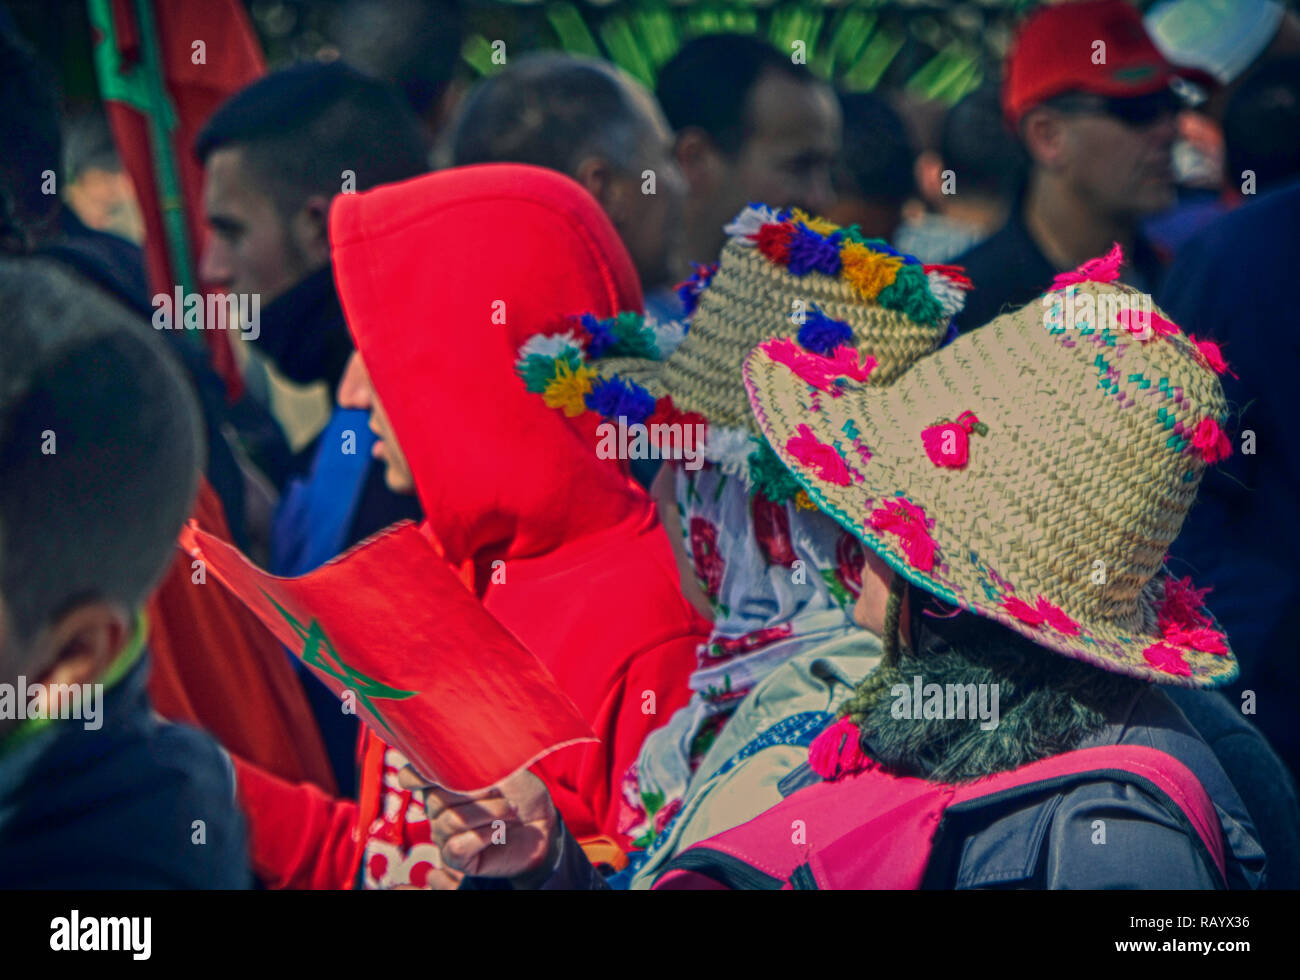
821 335
809 251
614 397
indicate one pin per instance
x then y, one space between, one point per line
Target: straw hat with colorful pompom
872 310
1035 471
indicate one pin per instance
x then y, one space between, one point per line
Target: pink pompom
837 751
1210 440
1102 269
822 459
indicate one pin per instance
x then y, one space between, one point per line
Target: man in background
1099 135
593 122
750 125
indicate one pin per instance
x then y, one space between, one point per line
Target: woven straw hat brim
749 300
1038 502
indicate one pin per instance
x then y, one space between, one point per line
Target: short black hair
99 448
300 128
1260 124
976 145
551 110
413 43
707 84
29 126
877 151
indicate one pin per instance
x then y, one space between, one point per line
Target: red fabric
1053 53
213 665
589 583
449 668
299 837
232 59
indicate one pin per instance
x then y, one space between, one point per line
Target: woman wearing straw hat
779 576
1016 493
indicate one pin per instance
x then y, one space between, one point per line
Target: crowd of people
947 535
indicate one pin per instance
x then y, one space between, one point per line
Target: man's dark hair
550 110
975 144
412 43
877 154
302 127
29 130
99 448
707 84
1261 122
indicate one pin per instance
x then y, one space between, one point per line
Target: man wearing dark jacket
99 453
1088 95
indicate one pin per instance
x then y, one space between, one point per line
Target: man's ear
597 176
310 230
927 170
81 644
1042 132
700 161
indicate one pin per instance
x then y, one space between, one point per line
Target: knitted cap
1034 472
856 299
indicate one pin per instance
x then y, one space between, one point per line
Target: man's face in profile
251 248
793 144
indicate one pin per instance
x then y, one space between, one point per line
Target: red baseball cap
1056 50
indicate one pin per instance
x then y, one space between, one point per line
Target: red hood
422 267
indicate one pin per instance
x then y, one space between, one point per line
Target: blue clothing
1235 284
117 807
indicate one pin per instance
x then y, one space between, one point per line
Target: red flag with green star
390 629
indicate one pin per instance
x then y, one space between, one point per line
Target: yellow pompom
803 501
568 388
866 271
822 226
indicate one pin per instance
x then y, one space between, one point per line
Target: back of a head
976 145
99 449
302 127
707 84
878 154
1261 123
550 110
413 43
29 131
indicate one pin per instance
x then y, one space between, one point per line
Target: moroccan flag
392 630
163 68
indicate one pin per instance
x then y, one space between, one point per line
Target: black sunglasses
1135 110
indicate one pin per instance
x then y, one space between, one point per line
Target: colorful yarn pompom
816 370
936 438
910 294
689 291
774 242
1102 269
1198 638
1211 442
837 751
616 397
817 456
908 521
568 389
1213 356
728 448
747 224
1166 658
810 252
1143 323
866 271
821 335
769 476
1183 605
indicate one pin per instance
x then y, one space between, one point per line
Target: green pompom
632 338
537 371
910 295
769 475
